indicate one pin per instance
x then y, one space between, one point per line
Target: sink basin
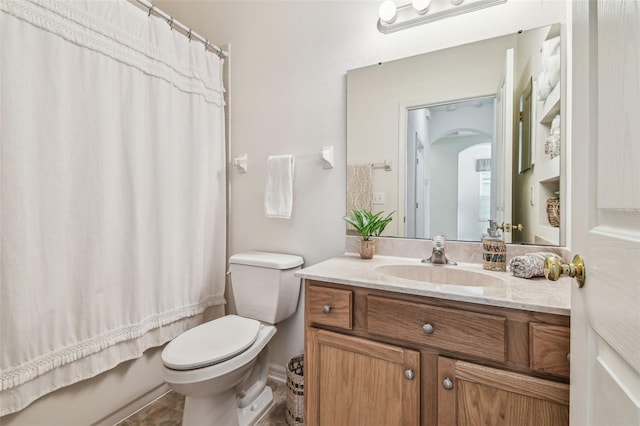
447 275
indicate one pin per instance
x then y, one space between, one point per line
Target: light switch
532 194
378 198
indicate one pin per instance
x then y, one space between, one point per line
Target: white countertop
536 294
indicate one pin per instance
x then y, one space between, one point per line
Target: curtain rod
188 32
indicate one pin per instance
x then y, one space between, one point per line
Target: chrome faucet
437 255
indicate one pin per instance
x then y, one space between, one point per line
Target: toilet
221 366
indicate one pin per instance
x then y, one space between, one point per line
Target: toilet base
249 415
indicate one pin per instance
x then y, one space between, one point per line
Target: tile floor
167 411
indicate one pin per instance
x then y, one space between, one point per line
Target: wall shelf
548 170
547 234
551 107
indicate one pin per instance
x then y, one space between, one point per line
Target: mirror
454 138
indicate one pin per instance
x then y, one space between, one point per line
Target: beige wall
288 67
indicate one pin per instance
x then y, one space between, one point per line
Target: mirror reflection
455 138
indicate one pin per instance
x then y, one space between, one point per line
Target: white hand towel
278 193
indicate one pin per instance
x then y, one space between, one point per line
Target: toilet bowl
221 366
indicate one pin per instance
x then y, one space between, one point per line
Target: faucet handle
439 240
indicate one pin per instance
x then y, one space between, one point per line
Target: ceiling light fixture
394 18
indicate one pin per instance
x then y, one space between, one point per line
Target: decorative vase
367 248
553 211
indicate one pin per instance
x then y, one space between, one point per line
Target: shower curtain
112 216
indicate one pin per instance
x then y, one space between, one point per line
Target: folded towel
278 193
551 47
359 184
529 265
552 67
544 88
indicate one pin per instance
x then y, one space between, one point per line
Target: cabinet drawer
549 347
449 329
329 306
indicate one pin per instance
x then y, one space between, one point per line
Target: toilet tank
264 285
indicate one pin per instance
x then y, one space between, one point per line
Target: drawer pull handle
447 384
326 309
427 328
409 374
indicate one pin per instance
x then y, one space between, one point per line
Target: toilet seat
211 343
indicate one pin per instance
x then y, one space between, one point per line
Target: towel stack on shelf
550 75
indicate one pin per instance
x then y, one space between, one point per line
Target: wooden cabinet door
472 394
353 381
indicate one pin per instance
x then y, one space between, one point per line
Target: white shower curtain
112 189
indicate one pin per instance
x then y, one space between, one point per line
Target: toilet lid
212 342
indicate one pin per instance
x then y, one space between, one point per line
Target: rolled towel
530 265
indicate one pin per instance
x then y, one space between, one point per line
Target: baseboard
277 373
133 407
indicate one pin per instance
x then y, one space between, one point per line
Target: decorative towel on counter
278 193
529 265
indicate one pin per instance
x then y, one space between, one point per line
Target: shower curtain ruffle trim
85 30
18 375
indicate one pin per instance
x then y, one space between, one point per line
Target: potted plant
368 224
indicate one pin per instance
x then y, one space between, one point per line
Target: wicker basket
295 391
553 211
494 254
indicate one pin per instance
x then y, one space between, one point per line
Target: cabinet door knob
447 384
409 374
427 328
326 309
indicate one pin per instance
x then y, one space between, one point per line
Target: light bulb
421 6
387 11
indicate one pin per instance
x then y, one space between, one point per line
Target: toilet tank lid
267 260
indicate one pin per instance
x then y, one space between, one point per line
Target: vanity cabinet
473 394
376 357
360 381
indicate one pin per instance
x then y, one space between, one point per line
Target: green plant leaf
368 224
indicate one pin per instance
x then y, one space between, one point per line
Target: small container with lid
494 249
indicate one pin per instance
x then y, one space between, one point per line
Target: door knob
507 227
409 374
326 309
447 383
554 269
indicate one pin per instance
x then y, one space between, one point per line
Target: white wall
288 66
